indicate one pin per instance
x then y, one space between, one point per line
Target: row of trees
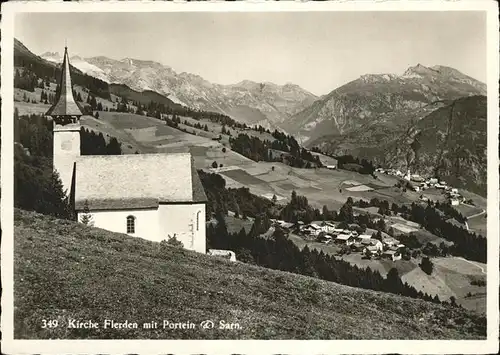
348 162
261 150
94 144
281 253
466 244
298 209
47 98
156 109
222 199
25 80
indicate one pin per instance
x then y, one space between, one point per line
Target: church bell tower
66 115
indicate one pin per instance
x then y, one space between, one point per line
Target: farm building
226 254
329 227
310 229
371 249
392 255
357 247
417 178
389 241
151 196
364 237
325 238
365 242
377 244
286 225
344 239
316 227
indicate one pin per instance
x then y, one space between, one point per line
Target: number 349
49 323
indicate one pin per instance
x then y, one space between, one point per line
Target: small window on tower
131 224
198 220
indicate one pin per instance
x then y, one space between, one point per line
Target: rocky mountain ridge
264 103
374 97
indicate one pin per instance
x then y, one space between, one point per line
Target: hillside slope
450 142
372 97
65 270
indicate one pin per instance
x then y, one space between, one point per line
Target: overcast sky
319 51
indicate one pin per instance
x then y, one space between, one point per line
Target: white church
151 196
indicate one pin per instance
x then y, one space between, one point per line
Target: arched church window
198 220
131 224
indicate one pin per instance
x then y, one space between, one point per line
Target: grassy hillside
64 270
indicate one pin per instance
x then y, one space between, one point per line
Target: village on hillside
419 183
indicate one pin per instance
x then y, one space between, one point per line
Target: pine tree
426 265
93 103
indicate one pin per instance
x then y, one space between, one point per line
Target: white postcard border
12 346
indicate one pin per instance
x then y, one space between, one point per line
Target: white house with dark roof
151 196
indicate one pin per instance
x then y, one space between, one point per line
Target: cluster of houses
389 171
419 183
328 233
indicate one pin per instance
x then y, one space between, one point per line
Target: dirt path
477 214
473 216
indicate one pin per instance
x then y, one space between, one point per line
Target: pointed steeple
65 104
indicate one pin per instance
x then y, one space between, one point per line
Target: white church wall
146 222
180 220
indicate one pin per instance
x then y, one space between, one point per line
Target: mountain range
381 98
368 99
381 117
265 103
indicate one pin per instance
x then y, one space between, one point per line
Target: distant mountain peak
50 54
55 57
419 70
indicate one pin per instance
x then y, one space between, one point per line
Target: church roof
136 181
65 104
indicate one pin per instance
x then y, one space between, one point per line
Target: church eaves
65 104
